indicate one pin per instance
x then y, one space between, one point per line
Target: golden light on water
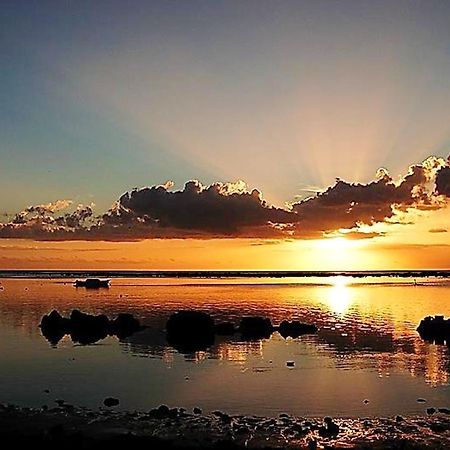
339 296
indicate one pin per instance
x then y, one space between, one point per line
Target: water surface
366 348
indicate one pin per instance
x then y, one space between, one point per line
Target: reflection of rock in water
147 342
86 328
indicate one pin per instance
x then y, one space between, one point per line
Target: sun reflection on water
339 295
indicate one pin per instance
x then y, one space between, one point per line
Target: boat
92 283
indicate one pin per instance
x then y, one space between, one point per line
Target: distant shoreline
211 274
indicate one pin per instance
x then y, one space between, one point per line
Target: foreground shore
67 426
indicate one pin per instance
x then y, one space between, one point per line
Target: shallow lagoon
366 349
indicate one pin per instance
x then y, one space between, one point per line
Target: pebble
111 401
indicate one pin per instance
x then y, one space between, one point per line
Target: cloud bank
233 210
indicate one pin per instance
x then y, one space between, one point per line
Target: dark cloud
348 205
233 210
443 181
228 209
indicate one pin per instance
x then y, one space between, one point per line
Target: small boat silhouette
92 283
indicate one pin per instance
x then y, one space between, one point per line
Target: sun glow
339 295
339 253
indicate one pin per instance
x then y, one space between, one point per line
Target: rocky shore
69 427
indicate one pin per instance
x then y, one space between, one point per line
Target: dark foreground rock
87 328
170 428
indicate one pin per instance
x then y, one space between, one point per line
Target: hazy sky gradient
99 97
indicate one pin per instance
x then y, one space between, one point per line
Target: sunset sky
225 135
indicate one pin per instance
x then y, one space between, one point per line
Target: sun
338 253
337 244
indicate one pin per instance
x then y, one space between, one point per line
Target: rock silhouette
92 283
255 327
295 328
225 329
435 329
190 331
86 328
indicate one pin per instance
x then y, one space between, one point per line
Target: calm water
367 347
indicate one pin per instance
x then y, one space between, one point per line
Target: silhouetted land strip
45 274
69 427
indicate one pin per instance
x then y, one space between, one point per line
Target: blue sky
100 97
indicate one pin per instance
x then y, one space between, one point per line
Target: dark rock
124 325
290 363
54 327
434 329
111 401
225 329
86 328
92 283
444 410
399 419
431 411
190 331
332 428
255 327
421 400
295 328
197 411
163 409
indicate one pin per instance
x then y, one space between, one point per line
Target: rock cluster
190 331
87 328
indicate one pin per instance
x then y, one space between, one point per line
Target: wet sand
67 426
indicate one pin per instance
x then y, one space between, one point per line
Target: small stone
163 409
290 363
444 410
197 410
111 401
366 401
431 411
421 400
